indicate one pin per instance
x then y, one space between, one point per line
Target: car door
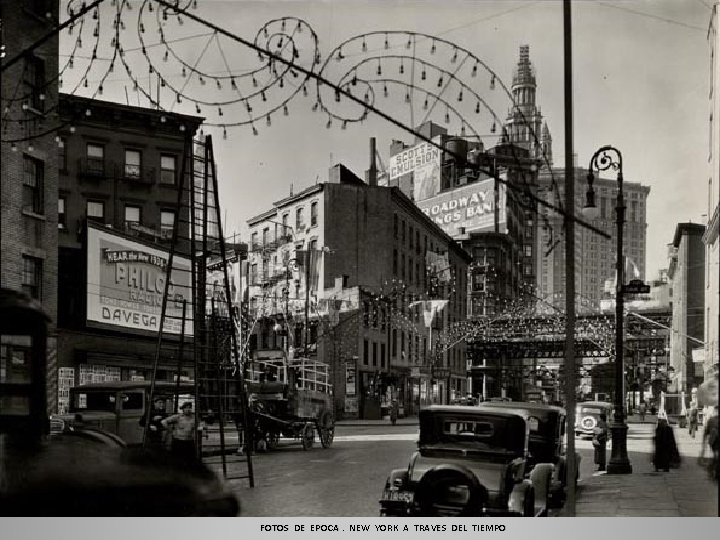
130 411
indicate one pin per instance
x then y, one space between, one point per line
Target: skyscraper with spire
524 125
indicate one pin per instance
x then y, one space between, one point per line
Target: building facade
712 232
28 162
595 256
687 275
368 248
119 176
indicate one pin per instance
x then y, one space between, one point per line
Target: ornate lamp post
606 158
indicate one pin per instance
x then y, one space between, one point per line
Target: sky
641 73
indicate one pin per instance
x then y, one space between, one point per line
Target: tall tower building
524 124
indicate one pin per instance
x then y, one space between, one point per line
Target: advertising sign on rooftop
471 207
423 160
126 283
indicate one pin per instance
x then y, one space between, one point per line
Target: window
374 354
410 270
32 276
285 218
167 169
395 262
62 154
254 240
266 236
417 240
95 158
33 185
253 273
313 214
313 245
34 83
132 163
366 351
382 355
402 266
167 223
132 215
410 237
527 250
395 226
299 220
62 219
402 232
95 210
394 342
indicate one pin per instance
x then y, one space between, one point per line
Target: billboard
126 283
472 206
423 160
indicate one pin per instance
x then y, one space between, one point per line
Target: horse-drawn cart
289 399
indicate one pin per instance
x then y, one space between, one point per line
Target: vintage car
587 415
470 462
546 465
120 407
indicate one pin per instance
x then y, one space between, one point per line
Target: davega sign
471 206
126 283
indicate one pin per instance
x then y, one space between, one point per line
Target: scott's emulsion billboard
423 160
471 207
126 283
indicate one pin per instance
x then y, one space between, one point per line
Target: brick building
119 172
28 161
370 247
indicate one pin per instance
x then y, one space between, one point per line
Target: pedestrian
666 453
184 431
642 409
693 419
599 441
711 439
156 431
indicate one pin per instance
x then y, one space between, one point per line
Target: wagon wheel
326 428
308 436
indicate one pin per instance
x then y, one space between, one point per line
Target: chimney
372 173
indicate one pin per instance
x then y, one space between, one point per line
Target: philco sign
471 207
126 284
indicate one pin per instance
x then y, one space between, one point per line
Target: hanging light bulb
408 44
165 57
224 133
477 108
85 82
71 62
96 31
285 110
493 128
79 42
462 130
255 131
30 147
100 89
282 83
329 123
367 97
385 90
492 82
447 117
364 46
317 58
248 106
432 48
72 129
386 41
164 16
60 81
440 81
150 7
407 97
454 58
218 84
163 118
298 27
474 70
220 111
162 83
179 99
305 92
425 105
337 96
268 121
232 83
460 96
296 53
13 147
255 83
402 68
280 42
88 112
315 106
151 69
197 109
379 69
264 97
184 73
344 124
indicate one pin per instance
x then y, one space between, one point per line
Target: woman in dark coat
666 450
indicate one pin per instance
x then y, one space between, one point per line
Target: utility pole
306 261
569 265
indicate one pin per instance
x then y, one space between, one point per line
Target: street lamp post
603 159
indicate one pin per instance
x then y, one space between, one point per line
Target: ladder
201 339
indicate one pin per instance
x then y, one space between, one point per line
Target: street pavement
686 491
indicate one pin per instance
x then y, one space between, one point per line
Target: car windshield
591 410
99 400
476 432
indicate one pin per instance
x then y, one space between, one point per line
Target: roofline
689 228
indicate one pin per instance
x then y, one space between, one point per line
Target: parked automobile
546 465
120 407
470 462
587 415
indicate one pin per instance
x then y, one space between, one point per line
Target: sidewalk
686 491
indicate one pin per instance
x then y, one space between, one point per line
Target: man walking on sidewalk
599 441
642 409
